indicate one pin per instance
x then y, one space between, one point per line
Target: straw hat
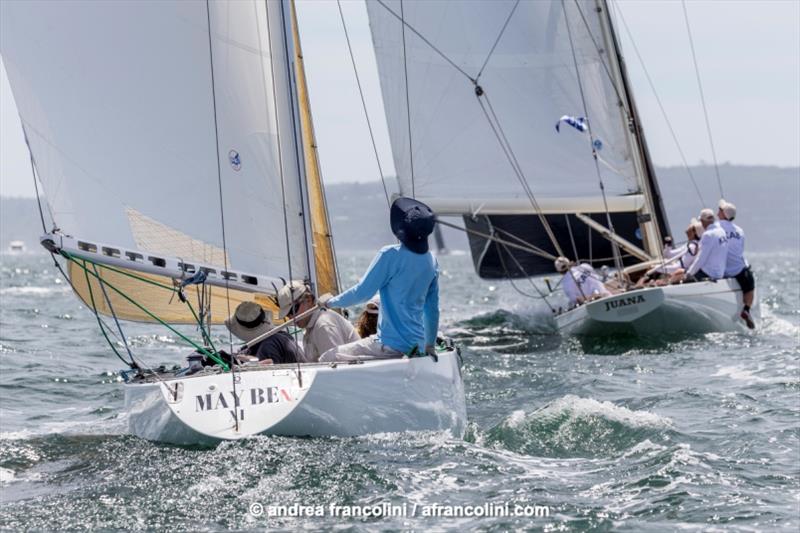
249 321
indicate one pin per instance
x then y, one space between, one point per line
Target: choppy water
657 434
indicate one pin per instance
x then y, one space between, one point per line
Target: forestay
150 121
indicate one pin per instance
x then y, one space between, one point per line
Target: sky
748 53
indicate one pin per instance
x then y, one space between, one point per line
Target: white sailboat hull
344 400
689 308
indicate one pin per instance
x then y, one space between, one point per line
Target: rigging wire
408 101
221 205
497 129
364 104
426 41
280 162
488 111
702 97
298 145
497 41
614 247
660 106
530 249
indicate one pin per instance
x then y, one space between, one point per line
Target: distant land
768 199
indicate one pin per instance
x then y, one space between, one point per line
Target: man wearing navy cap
407 277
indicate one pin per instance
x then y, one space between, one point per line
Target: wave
576 427
36 291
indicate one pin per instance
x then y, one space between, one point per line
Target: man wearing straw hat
250 321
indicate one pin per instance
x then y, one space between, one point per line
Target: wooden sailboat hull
690 308
344 400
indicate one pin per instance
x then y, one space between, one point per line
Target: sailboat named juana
519 117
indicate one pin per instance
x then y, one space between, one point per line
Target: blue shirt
409 286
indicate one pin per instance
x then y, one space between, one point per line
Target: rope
131 363
111 308
542 296
614 247
571 238
408 101
661 107
702 97
364 104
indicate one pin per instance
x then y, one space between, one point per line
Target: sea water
654 434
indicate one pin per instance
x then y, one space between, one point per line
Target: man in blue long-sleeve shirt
407 277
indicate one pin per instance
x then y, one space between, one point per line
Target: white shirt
690 251
327 329
581 283
735 262
713 253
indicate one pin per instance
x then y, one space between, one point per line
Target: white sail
529 80
145 118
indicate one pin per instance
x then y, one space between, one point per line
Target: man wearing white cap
736 265
713 254
580 283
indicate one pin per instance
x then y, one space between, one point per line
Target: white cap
373 306
561 264
289 295
706 214
728 208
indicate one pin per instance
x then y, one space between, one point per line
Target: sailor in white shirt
713 255
580 283
736 265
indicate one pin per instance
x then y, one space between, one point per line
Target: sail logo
235 160
229 400
623 302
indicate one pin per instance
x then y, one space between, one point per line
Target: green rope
199 348
100 322
205 333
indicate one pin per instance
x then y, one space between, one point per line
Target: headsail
149 121
473 92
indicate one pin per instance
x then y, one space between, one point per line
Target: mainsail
168 133
511 114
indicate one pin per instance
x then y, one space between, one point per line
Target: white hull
343 400
689 308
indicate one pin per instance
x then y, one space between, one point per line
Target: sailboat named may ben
175 147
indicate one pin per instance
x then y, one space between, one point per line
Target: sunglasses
294 309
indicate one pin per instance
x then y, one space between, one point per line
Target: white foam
584 407
6 475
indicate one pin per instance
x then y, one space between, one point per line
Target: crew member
710 261
580 282
736 266
250 321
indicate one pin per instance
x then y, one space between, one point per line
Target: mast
322 245
652 218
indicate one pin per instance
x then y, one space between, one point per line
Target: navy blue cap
412 222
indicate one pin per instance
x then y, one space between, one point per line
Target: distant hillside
768 199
